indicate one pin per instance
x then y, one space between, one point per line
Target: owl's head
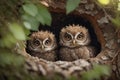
42 41
74 36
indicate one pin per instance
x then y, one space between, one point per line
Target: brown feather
78 50
37 51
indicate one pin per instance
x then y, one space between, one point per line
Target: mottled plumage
75 43
42 44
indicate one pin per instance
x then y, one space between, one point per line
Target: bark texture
106 33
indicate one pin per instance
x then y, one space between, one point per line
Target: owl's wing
92 51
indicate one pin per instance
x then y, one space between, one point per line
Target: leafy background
17 18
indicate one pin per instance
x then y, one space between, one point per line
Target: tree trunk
105 31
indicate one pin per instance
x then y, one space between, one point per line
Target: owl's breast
68 54
71 54
50 56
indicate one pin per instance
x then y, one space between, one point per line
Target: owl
42 44
75 43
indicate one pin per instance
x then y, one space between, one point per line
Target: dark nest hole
60 20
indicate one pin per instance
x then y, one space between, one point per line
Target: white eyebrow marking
77 35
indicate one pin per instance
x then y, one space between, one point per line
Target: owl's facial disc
48 44
36 42
42 46
68 37
78 39
79 36
82 39
73 43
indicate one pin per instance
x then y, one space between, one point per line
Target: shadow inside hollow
61 20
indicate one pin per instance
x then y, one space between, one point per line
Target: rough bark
106 34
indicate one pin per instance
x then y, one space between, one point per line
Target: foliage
116 21
104 2
13 14
114 6
71 5
17 31
34 14
97 72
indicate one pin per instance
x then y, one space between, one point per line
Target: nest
105 35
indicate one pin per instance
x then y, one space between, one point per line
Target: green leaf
17 31
44 15
40 19
71 5
116 21
27 25
104 2
96 73
72 78
8 58
35 24
102 70
30 22
31 9
118 6
8 40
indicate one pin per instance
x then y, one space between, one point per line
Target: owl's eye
48 42
67 37
80 36
36 42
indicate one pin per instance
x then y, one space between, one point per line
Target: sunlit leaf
27 25
118 6
30 9
71 5
44 15
17 31
30 22
104 2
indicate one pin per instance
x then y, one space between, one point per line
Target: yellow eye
67 37
36 42
80 36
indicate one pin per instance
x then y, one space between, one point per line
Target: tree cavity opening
60 20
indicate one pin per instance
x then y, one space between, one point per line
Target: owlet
42 44
75 43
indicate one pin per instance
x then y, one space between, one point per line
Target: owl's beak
74 42
43 47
